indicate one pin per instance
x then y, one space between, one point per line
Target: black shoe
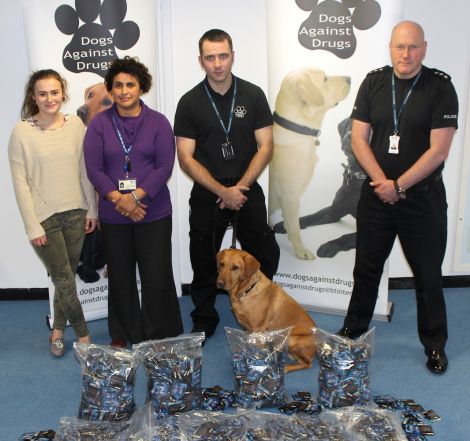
437 361
351 333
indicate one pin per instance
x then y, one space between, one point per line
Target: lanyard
126 148
396 117
230 119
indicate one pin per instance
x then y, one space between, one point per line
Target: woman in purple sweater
129 156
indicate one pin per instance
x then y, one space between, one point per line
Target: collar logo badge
240 111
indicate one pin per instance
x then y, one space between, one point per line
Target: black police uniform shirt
432 104
196 119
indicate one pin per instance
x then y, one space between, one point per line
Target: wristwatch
398 190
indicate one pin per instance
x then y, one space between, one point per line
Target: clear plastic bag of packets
194 425
343 378
214 426
258 361
368 423
76 429
108 382
145 426
324 427
174 371
266 426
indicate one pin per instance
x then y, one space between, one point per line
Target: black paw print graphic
93 46
331 24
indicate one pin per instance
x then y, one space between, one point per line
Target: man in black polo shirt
223 130
404 119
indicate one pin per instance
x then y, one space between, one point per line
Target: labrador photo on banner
79 39
319 52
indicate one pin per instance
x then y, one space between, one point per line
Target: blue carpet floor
36 390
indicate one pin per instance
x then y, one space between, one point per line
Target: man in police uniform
223 129
404 119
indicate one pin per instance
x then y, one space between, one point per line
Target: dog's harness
245 293
294 127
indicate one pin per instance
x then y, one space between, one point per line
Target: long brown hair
29 107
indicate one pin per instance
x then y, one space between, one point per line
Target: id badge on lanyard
228 152
128 183
393 146
394 140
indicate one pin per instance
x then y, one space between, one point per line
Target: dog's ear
85 94
308 91
251 265
219 257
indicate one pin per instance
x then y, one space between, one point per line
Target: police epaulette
379 70
441 74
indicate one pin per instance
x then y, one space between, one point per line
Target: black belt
424 187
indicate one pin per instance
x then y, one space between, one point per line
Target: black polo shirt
196 119
432 104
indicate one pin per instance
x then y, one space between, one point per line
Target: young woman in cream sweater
54 196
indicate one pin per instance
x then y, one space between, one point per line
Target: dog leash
234 231
233 221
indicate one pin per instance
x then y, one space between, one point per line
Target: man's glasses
409 47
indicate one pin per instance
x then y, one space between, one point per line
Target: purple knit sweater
152 157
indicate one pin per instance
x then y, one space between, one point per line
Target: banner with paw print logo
98 30
319 53
79 39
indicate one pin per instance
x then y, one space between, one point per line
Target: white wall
448 37
19 267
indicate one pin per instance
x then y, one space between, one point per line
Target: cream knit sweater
48 172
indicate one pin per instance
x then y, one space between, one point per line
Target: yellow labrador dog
304 98
261 305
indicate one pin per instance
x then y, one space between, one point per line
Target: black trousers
148 246
207 228
420 222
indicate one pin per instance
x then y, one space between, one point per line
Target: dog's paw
328 249
304 254
333 247
88 275
93 46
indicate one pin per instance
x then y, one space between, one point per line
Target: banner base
382 317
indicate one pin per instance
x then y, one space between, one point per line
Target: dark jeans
207 228
65 233
148 246
420 222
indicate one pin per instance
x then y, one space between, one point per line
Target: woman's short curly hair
131 66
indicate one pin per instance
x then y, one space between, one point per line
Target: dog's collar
245 293
294 127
